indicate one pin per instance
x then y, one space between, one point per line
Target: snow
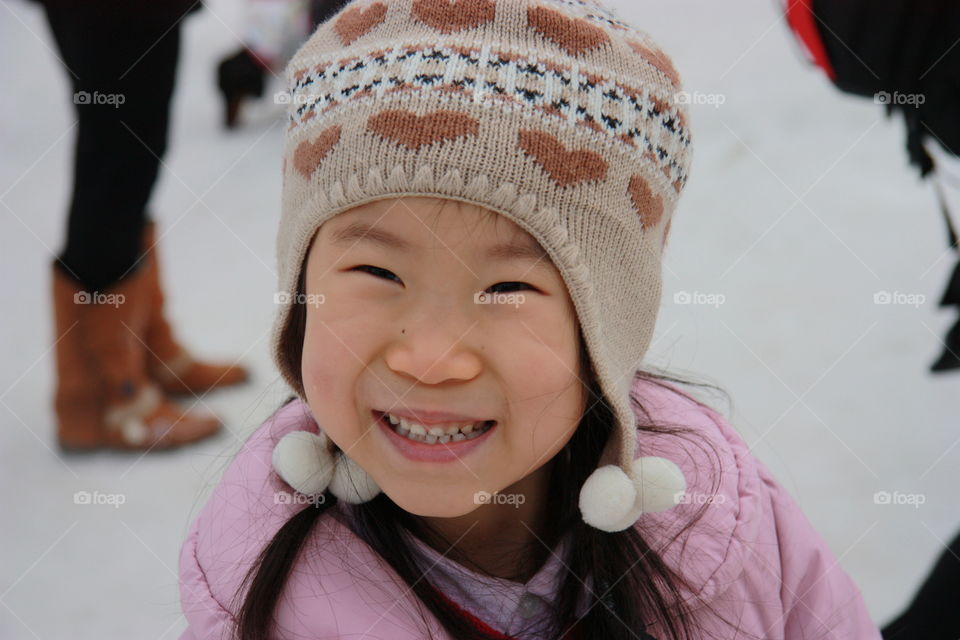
798 212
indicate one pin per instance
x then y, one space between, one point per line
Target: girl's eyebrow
356 232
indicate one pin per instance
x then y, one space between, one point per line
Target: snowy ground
797 213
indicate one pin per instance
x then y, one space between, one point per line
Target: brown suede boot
168 363
104 398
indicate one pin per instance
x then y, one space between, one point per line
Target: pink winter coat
753 555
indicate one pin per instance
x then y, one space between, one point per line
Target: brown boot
168 363
103 397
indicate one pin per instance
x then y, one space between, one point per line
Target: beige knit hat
553 113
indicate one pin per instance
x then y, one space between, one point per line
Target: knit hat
553 113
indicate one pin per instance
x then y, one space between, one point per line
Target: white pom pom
351 483
661 484
607 499
610 501
302 459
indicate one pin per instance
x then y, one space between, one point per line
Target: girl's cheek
319 378
540 327
328 346
342 309
360 298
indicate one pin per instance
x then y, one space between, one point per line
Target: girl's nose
434 351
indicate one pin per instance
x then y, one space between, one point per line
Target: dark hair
625 603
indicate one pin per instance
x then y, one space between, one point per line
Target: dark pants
323 10
933 614
121 67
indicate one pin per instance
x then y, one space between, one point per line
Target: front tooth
414 427
450 431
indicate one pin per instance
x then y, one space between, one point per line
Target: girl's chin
435 506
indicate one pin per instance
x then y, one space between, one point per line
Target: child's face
405 333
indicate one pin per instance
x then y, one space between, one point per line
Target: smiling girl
476 199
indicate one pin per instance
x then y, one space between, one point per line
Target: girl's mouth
433 444
434 435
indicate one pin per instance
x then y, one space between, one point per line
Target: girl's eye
383 273
520 286
374 271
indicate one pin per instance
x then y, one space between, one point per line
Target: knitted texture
553 113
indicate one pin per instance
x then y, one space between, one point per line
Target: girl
476 198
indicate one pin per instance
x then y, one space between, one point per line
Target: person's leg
933 614
123 71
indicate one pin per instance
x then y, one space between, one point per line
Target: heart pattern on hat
658 60
415 132
648 205
309 155
448 17
565 167
359 21
574 35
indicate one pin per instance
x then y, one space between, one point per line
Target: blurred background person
904 55
117 357
274 31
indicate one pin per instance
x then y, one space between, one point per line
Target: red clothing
576 631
